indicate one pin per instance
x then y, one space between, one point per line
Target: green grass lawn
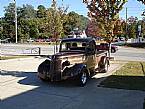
131 76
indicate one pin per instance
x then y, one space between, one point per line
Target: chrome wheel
84 78
106 66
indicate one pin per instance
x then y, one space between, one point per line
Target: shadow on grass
124 82
142 67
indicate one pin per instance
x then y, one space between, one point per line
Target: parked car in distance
40 40
77 59
30 40
105 46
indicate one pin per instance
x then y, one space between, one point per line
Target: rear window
72 46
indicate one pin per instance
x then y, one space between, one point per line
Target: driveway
21 89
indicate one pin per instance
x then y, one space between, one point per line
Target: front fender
76 69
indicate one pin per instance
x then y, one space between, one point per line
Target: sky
134 7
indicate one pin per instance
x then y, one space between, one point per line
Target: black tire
83 77
43 79
104 66
113 50
44 67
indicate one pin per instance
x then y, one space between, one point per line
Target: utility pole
126 22
16 32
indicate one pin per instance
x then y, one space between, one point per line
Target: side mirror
88 51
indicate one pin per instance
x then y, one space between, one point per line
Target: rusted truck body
77 58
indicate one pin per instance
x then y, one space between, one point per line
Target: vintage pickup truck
77 59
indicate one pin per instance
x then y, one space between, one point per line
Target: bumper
51 77
56 76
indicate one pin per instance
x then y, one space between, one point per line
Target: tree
83 22
44 23
41 11
1 29
28 28
54 21
73 21
132 27
143 14
143 1
93 29
143 28
106 13
26 12
27 22
9 22
119 28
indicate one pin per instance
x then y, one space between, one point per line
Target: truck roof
88 39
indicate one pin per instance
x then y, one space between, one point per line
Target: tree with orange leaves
105 13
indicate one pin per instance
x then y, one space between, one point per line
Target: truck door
91 55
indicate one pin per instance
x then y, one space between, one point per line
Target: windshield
72 46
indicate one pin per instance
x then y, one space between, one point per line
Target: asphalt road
129 54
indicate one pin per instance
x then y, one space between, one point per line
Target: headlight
66 63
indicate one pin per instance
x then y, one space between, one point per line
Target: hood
67 54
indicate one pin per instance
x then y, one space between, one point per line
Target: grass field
131 76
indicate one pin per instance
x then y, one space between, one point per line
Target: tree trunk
109 50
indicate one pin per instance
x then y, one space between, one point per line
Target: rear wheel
83 77
113 50
104 65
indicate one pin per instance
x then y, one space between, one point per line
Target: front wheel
83 77
44 78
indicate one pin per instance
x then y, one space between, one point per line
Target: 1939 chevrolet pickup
77 58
